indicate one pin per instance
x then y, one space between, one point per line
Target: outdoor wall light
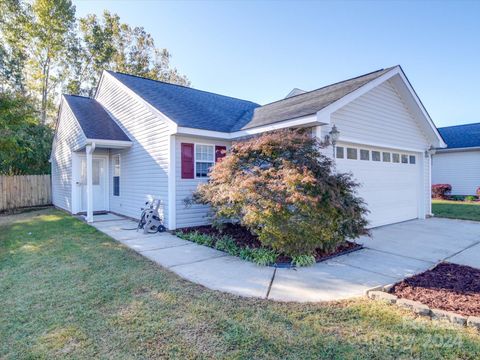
332 138
431 151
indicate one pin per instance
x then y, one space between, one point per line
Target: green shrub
264 257
246 253
457 197
281 187
227 244
196 237
303 260
470 198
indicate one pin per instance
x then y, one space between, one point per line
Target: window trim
379 152
356 153
343 152
116 156
119 165
368 154
389 156
202 161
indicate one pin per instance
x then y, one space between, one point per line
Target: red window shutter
220 152
187 161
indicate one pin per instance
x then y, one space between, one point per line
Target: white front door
99 179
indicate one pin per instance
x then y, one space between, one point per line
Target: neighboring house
459 163
139 138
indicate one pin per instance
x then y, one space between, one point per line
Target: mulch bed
448 287
244 238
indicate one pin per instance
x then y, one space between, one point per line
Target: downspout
89 152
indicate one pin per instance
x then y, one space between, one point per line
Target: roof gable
307 103
461 136
94 120
189 107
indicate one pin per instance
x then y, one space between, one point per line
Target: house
139 138
459 163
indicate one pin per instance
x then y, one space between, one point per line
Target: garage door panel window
340 152
364 154
352 154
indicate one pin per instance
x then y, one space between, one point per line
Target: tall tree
13 18
107 43
24 143
48 32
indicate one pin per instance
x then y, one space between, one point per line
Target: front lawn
456 209
67 290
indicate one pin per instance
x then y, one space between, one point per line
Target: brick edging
381 293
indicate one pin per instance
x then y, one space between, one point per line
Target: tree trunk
46 74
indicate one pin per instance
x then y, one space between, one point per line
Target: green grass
68 291
456 209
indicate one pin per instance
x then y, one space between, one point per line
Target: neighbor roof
461 136
93 119
307 103
189 107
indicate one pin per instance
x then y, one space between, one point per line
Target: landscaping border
258 255
380 293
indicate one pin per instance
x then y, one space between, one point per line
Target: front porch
92 177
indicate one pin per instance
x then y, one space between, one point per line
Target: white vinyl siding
191 215
379 121
390 189
380 116
459 169
145 165
68 137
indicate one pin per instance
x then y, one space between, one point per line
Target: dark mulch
447 287
244 238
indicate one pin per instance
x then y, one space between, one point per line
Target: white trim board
76 156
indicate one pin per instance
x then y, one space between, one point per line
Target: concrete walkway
391 254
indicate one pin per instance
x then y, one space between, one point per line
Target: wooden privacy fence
24 190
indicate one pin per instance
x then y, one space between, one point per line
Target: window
404 159
204 159
386 157
95 172
364 154
340 152
116 175
396 158
376 155
412 159
352 154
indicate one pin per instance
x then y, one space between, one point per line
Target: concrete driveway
391 254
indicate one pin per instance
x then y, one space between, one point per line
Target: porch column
89 150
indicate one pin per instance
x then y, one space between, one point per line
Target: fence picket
24 190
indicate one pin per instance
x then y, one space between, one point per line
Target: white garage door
389 181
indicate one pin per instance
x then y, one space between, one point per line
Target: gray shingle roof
307 103
190 107
199 109
94 120
461 136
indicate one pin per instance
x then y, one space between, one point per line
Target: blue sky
260 50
